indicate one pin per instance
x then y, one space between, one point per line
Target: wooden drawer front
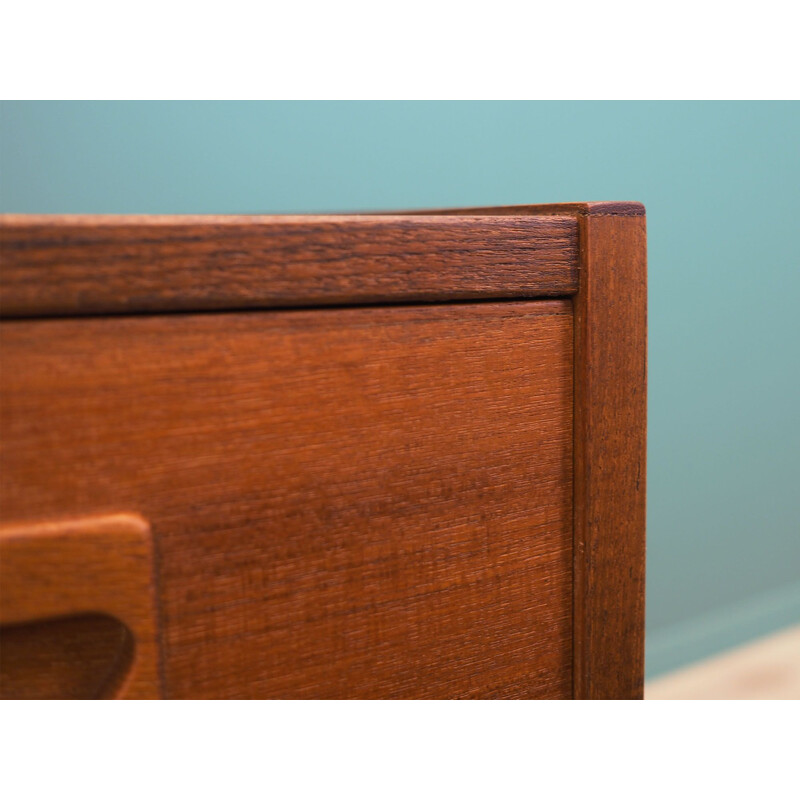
370 502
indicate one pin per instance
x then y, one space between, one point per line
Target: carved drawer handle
77 609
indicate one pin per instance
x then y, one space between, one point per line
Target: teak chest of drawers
390 456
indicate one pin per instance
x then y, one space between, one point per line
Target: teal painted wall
721 182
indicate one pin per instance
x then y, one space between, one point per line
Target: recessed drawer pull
77 610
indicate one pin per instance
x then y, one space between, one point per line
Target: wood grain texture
368 502
610 456
92 265
102 265
56 577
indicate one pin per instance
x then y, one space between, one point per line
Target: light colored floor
767 669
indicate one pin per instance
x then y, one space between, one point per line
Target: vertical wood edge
610 329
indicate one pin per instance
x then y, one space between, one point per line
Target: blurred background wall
721 182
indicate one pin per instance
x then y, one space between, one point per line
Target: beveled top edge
606 208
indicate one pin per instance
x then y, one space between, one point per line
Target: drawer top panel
76 265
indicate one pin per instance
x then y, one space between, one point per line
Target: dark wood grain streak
605 208
610 456
109 265
370 502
